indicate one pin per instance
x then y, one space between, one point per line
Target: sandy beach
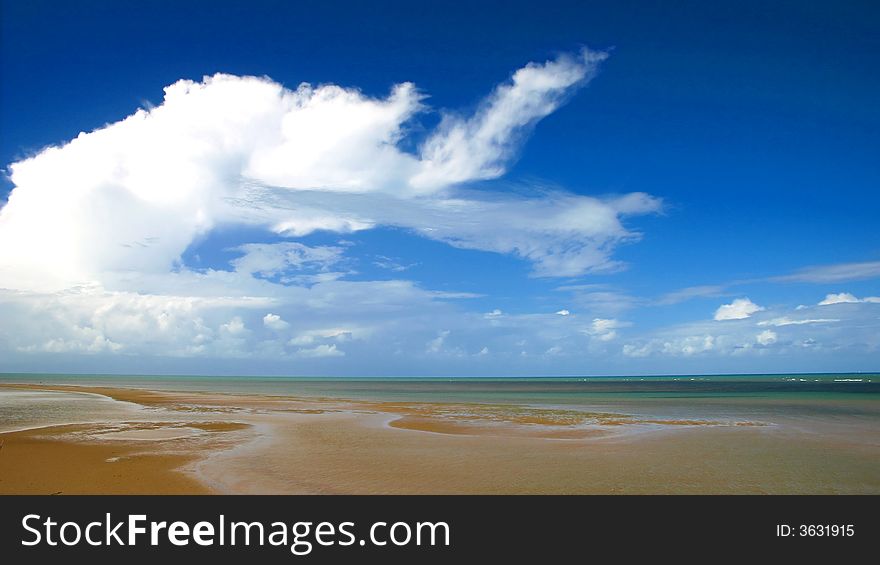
199 442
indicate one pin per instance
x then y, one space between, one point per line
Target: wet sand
235 443
51 461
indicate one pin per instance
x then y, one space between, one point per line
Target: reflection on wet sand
210 442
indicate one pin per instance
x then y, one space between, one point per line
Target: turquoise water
552 390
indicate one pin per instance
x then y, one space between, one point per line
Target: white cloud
269 259
766 337
605 329
692 345
93 320
847 298
235 326
637 350
323 350
739 309
84 340
838 299
331 334
391 264
479 147
786 321
685 346
274 321
436 345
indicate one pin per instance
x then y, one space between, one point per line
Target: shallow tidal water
685 434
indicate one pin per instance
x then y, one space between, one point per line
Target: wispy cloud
600 300
392 264
690 293
479 147
787 321
323 350
840 272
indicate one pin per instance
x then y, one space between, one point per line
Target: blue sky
556 188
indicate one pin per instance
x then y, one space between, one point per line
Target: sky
394 188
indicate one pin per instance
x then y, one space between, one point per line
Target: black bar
541 529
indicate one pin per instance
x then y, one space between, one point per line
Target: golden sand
45 461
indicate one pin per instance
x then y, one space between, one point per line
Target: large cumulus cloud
132 196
